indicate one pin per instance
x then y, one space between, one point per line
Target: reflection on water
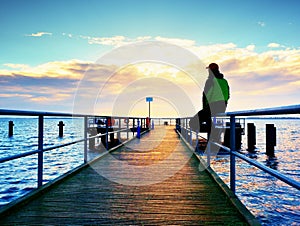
273 202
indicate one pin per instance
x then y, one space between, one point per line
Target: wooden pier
189 196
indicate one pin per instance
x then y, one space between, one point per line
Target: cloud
257 79
17 66
68 35
36 93
115 41
261 23
250 47
38 34
177 41
274 45
45 86
59 69
118 41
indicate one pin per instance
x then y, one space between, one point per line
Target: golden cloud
73 69
253 76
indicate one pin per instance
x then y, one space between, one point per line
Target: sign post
149 99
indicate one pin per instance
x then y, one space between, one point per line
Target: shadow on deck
152 181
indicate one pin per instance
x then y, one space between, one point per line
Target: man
214 99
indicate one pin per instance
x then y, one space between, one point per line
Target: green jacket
216 89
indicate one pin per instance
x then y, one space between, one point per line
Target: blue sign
149 99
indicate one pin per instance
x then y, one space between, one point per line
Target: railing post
133 126
40 148
138 129
127 128
197 141
119 133
186 130
191 137
208 152
232 157
106 134
85 139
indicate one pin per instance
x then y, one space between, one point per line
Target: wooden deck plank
189 197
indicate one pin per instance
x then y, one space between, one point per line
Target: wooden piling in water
251 137
10 128
270 140
61 128
238 136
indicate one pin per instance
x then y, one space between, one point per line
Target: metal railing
133 124
188 134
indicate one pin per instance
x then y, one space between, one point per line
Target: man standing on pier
214 99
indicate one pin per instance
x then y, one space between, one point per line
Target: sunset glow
44 60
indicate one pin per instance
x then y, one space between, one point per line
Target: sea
273 202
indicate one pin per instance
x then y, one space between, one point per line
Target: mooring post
10 128
61 128
270 140
251 136
238 135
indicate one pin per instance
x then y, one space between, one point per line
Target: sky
90 56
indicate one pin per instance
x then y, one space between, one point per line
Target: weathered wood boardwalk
154 181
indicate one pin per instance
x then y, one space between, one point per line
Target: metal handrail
264 168
285 110
292 109
41 149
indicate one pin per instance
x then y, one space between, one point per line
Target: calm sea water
271 201
18 177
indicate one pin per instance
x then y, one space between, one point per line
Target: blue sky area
36 33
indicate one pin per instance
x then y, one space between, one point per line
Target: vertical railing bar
85 157
208 152
119 133
191 136
197 141
40 148
232 157
106 134
186 129
127 127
